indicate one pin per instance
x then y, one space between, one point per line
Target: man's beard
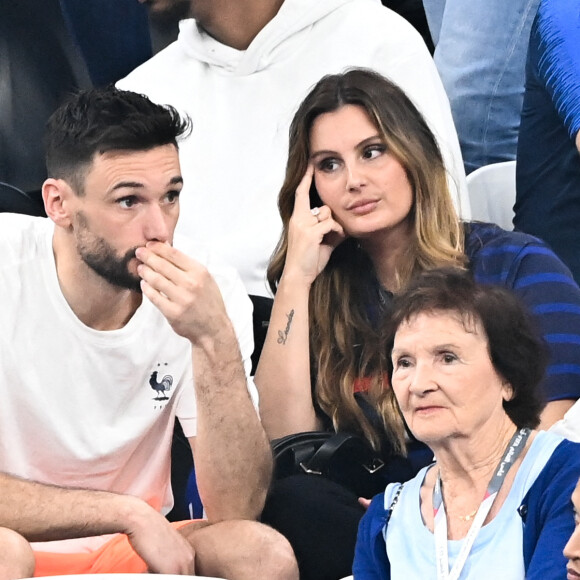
99 255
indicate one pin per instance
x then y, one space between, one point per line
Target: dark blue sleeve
558 27
549 516
370 555
546 287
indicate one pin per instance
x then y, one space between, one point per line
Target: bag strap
320 461
394 502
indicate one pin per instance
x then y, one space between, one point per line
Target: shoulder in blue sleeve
545 286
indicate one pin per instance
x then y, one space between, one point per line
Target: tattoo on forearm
283 335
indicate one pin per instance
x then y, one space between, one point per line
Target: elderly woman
365 205
465 365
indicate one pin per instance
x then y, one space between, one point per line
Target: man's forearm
44 513
232 454
233 461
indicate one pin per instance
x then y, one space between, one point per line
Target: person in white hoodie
239 69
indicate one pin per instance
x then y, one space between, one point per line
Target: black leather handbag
345 458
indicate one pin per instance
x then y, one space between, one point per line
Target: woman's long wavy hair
345 305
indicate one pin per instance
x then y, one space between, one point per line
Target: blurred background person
548 162
480 53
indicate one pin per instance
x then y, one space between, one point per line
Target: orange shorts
117 555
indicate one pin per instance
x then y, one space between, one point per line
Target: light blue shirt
497 550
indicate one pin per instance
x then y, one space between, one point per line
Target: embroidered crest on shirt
160 386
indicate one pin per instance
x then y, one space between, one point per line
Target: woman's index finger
302 202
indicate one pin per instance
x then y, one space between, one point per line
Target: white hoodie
242 102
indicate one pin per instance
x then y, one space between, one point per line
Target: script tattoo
282 336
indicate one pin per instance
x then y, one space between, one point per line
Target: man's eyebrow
129 184
137 185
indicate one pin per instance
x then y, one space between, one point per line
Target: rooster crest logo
162 387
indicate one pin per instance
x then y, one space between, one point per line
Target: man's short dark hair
516 350
99 120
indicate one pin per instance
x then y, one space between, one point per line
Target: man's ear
57 196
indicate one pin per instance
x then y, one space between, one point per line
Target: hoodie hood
293 18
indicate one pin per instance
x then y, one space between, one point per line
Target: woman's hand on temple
313 234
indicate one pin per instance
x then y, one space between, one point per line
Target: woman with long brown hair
365 205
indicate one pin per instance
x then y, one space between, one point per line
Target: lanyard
512 452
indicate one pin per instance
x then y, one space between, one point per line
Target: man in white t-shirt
110 332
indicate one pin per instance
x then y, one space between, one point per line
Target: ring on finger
315 211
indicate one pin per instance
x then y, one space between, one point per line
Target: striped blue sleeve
558 30
546 287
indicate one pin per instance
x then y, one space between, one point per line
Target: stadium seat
15 200
492 193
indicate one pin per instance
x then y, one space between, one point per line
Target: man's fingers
176 559
302 201
159 281
165 252
166 295
172 265
166 306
